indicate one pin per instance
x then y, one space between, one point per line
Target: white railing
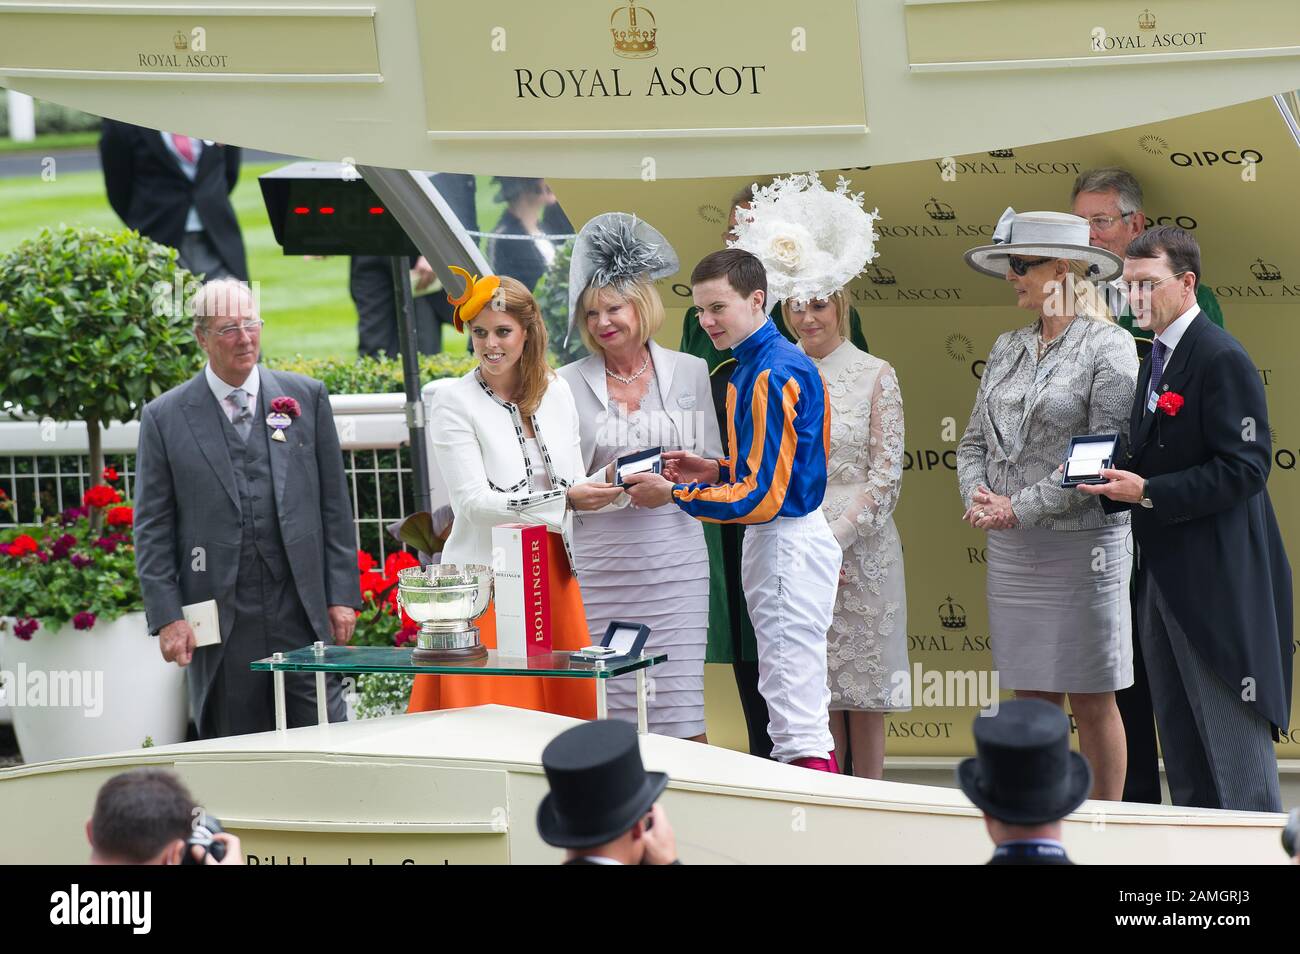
45 461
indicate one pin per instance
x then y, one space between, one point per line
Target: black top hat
1024 772
599 787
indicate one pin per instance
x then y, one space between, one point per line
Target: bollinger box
522 591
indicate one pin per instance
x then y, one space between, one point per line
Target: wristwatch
1146 501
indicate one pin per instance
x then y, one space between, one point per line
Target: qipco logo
1208 157
1182 221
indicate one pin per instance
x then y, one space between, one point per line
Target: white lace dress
867 644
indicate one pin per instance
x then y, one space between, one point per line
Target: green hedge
372 375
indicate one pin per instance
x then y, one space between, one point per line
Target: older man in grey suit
250 512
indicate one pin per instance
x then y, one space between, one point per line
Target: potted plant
96 326
99 322
83 676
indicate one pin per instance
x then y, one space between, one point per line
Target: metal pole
411 379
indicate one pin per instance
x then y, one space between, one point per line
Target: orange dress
564 696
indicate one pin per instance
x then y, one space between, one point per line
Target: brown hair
839 298
1177 244
639 293
534 373
139 813
743 271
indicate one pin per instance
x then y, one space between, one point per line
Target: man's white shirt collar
221 390
1177 328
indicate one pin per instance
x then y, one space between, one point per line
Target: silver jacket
1026 412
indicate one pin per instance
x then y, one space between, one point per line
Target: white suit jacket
478 443
687 396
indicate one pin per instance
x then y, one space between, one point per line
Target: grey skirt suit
1058 584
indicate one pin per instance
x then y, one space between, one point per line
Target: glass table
321 659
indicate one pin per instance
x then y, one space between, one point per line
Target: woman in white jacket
506 440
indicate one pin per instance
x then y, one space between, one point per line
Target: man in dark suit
175 189
1214 582
246 503
1111 200
601 807
1025 779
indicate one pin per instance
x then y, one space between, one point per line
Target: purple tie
1158 351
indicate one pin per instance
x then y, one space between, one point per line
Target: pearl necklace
622 380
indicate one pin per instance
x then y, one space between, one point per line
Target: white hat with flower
812 241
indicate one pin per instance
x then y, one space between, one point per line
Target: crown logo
181 41
634 32
881 276
940 211
1002 153
952 615
1265 272
1146 21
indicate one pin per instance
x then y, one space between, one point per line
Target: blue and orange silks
778 436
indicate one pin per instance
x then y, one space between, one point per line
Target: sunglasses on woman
1021 265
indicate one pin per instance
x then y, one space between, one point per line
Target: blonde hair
1088 299
639 293
534 373
839 297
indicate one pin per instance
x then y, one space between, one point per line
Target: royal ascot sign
1006 34
238 43
662 67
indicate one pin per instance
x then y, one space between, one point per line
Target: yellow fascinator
478 292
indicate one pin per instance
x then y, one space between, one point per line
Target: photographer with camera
148 817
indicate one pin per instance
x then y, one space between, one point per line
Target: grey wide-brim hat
1043 235
615 248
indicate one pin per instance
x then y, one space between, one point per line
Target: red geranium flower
398 561
1171 402
365 561
110 474
21 546
373 583
24 628
121 517
83 620
101 495
286 405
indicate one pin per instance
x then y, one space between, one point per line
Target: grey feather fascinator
615 249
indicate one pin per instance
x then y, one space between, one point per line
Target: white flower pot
88 692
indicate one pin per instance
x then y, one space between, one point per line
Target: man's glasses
1146 287
248 327
1021 265
1103 222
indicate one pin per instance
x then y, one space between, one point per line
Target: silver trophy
445 599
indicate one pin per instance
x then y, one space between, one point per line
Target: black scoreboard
326 208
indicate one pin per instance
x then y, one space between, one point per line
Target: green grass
305 303
52 141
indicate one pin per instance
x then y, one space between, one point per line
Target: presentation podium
321 659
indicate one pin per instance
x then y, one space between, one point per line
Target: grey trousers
1218 750
268 618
